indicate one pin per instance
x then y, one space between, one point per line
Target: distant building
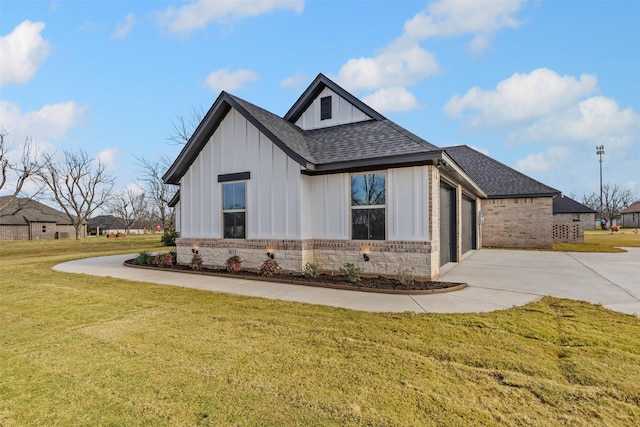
108 224
26 219
570 219
631 216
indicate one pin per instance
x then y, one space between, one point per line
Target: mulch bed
377 284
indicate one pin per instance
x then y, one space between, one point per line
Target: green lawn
79 350
603 241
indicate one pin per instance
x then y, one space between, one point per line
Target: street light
600 152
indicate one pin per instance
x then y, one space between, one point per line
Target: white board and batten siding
342 112
273 192
327 205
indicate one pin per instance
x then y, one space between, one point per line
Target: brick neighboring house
334 182
570 219
631 216
108 224
26 219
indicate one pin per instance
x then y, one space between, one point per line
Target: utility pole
600 152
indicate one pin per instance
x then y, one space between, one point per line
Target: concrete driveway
498 279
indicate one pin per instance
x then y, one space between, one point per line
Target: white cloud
551 159
392 99
596 120
452 18
404 62
122 30
521 98
295 81
394 66
52 121
23 53
108 157
197 15
225 79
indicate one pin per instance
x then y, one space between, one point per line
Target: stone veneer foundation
385 258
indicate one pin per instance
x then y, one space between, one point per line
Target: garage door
447 224
468 224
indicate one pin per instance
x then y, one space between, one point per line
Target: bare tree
183 127
129 207
614 200
14 175
80 185
158 193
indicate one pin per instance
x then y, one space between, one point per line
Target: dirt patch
378 284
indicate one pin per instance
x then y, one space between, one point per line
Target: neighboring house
26 219
335 182
570 219
631 216
109 224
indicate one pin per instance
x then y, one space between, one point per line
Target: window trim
224 211
363 207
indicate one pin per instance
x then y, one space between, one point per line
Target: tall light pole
600 152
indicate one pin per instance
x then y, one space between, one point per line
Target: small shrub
143 258
269 268
405 277
311 270
169 238
175 255
351 272
196 262
164 260
234 263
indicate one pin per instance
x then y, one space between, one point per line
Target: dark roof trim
240 176
403 160
208 126
314 90
174 200
198 140
525 196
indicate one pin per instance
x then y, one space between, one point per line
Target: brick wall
35 231
518 223
14 232
568 232
587 220
385 258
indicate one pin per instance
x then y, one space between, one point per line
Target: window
44 228
325 108
368 207
576 217
234 210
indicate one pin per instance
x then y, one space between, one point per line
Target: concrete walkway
498 279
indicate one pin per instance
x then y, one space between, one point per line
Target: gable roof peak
314 89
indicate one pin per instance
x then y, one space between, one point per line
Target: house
631 215
27 219
109 224
570 219
335 182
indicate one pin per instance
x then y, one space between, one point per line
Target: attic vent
325 108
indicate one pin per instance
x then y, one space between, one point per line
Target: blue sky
535 84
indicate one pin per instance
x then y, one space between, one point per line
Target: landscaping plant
311 270
405 277
234 263
269 268
351 272
144 258
196 262
164 260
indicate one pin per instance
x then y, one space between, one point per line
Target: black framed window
368 206
234 210
325 108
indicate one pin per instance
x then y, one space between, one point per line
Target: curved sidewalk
498 279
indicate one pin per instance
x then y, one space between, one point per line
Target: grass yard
81 350
602 241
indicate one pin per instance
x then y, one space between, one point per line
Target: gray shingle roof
497 179
566 205
633 208
22 211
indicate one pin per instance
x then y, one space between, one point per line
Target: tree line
82 186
